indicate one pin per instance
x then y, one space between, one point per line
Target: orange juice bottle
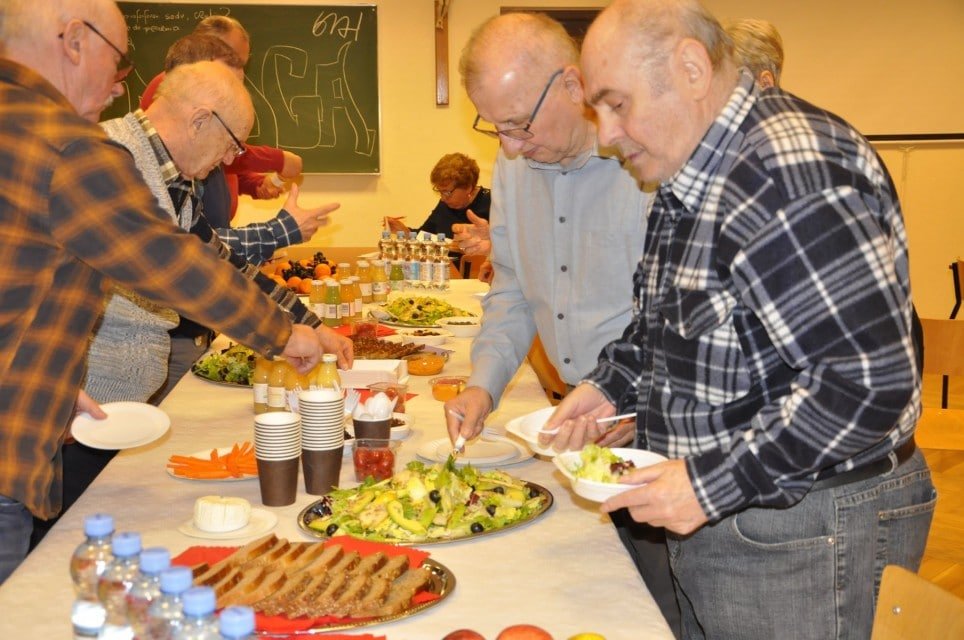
365 280
276 384
259 382
347 306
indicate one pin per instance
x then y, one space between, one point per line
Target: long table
566 572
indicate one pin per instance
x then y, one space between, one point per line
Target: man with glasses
75 211
567 229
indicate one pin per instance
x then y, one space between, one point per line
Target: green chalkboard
312 74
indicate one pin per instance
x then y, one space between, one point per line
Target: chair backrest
957 269
911 608
943 346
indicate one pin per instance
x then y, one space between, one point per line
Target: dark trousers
647 547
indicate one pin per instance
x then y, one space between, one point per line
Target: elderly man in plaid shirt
772 355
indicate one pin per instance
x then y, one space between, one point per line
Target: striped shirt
771 336
73 210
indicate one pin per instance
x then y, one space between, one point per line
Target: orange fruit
294 283
322 270
306 262
305 286
523 632
282 266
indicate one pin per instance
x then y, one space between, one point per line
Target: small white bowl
403 430
435 337
602 491
527 427
461 326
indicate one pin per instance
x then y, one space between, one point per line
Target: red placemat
281 624
367 393
382 330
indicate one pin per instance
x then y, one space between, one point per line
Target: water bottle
146 588
236 623
199 621
88 562
166 612
115 584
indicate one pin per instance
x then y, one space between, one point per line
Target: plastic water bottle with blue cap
146 588
115 584
236 623
167 611
199 622
87 563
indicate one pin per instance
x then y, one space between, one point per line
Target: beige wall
857 35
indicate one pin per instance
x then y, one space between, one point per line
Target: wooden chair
549 378
957 269
911 608
943 349
471 265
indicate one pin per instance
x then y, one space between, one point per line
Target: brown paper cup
279 481
373 428
321 470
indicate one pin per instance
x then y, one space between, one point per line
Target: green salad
600 464
423 503
233 365
422 310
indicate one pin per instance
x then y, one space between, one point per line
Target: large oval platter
309 513
442 584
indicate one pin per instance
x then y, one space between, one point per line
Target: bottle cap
329 357
155 560
126 544
176 579
236 622
198 601
98 525
345 282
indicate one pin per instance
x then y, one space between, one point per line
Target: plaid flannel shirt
772 332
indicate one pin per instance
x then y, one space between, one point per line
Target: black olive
533 492
476 527
500 490
491 509
434 496
332 528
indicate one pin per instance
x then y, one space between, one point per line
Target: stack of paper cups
322 438
277 447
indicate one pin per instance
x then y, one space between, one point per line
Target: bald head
529 44
198 108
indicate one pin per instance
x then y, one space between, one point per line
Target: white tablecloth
567 572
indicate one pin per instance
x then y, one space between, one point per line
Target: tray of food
426 504
307 588
231 367
417 311
378 349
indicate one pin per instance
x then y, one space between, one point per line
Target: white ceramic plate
490 452
527 428
127 425
261 522
206 455
409 335
602 491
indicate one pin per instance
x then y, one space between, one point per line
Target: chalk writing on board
311 74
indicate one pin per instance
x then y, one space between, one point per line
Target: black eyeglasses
124 65
445 193
239 146
517 133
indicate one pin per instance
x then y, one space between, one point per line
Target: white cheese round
217 514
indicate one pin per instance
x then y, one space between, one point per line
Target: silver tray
442 583
235 385
303 523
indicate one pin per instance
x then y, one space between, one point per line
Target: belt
827 479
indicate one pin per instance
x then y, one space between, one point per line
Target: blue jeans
16 523
808 572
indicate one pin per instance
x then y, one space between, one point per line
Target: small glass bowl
447 387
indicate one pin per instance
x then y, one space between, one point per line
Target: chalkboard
312 74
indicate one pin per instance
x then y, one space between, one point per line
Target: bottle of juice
379 281
332 303
327 376
316 298
295 383
356 290
276 384
347 307
396 277
344 270
259 382
365 280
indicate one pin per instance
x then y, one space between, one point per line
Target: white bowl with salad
594 471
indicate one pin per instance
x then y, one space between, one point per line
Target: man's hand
473 405
395 225
267 190
303 349
309 220
666 500
575 418
473 239
86 404
333 342
292 166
